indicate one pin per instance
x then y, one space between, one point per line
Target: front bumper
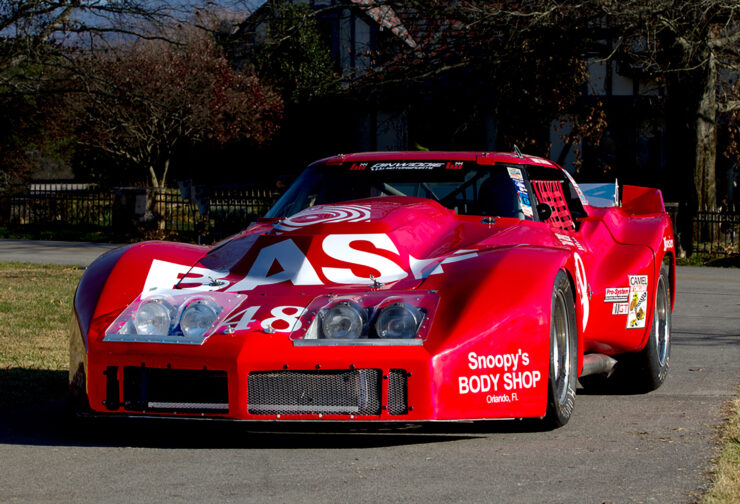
259 376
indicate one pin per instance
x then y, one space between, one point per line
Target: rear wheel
650 365
561 391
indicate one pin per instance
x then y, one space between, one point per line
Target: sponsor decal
620 308
422 268
358 166
668 243
637 306
454 165
325 214
582 284
616 294
570 241
500 376
405 166
165 275
296 268
516 176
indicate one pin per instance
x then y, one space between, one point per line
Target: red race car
389 286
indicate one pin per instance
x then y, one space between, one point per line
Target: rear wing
642 200
634 199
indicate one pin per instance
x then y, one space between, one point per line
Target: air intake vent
331 392
397 392
186 390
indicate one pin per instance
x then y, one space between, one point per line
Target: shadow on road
52 424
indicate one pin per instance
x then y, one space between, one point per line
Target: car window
467 188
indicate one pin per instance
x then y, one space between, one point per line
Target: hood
390 242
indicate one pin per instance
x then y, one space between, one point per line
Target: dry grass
725 487
35 312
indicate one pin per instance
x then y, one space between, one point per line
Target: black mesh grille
187 390
350 392
397 392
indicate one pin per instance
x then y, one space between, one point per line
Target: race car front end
352 356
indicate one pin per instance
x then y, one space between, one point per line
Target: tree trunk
706 138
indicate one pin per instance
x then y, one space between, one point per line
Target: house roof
385 16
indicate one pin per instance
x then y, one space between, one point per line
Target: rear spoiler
634 199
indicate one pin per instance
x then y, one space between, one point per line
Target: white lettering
582 286
339 247
296 268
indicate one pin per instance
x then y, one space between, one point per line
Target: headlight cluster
173 317
367 318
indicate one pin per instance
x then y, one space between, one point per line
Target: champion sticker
668 243
638 296
516 176
617 295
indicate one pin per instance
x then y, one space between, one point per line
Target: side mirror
544 211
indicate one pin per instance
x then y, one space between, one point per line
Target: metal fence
205 214
58 205
130 213
716 233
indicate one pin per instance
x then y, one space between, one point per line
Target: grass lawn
35 313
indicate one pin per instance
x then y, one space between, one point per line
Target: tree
523 62
288 51
147 98
695 48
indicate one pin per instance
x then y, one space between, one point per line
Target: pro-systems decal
516 176
420 165
637 301
616 294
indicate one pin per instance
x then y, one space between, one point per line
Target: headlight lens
153 318
198 317
398 321
344 320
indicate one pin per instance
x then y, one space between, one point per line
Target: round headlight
197 318
344 320
398 321
153 318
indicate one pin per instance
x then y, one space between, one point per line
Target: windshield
466 187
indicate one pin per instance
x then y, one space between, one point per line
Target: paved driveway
52 252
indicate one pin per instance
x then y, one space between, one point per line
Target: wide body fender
490 339
108 285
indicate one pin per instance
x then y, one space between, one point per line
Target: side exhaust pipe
597 363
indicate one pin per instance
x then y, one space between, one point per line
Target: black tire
561 391
649 366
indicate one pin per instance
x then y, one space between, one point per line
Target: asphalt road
52 252
616 449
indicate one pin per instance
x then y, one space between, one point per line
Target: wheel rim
560 348
662 331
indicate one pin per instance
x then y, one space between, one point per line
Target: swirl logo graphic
323 214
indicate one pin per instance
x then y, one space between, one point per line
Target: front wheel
561 391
